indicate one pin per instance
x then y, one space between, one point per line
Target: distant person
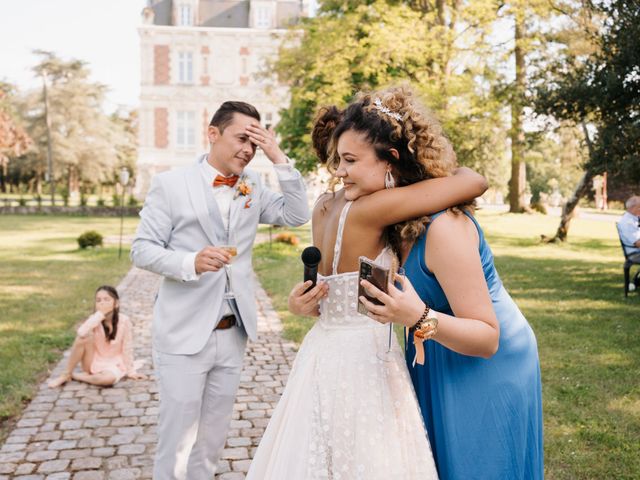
104 345
629 228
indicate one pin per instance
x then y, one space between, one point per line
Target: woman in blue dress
475 370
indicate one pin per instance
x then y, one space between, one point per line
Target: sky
101 33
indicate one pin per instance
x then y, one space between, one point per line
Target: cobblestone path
82 432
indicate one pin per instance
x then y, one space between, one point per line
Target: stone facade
196 54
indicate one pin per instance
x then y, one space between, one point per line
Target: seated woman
104 345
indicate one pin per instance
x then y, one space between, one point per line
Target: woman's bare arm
452 250
394 205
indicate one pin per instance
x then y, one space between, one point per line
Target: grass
46 288
279 267
588 335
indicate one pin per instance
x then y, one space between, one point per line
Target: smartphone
375 274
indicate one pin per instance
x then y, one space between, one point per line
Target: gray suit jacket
175 221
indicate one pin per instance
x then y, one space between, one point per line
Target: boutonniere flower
244 188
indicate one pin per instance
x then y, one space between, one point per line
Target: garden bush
90 238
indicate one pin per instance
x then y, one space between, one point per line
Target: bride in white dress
349 411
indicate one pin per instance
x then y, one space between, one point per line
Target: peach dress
115 357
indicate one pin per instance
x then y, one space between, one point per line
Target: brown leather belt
226 322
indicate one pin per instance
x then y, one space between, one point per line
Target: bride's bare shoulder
326 202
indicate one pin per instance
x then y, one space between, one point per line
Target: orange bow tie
228 181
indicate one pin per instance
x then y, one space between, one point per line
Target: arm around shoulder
394 205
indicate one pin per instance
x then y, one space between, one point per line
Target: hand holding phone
375 274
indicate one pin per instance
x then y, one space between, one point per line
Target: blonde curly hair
424 151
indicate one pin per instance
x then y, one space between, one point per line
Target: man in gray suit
205 308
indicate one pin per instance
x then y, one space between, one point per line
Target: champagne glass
386 355
231 248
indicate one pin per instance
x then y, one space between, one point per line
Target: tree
438 47
554 160
518 181
601 89
14 140
84 139
530 19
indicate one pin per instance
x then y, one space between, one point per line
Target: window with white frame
185 129
184 15
185 67
263 17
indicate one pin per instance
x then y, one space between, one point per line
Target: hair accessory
378 104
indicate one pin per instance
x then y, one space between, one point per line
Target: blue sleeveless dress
483 416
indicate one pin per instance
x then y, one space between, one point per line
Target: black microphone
311 258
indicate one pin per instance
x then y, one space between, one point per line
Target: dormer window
185 16
263 17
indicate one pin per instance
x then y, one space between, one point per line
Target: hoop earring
389 181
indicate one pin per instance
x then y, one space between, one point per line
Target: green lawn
588 335
46 288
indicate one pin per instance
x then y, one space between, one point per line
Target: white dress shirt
629 231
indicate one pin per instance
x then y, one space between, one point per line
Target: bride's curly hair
424 151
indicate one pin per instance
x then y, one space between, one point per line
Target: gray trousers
197 393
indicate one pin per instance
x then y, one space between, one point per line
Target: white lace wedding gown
345 414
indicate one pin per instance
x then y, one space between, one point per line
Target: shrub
133 201
115 200
83 199
288 238
22 202
100 202
90 238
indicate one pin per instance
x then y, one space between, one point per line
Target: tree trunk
69 181
517 184
569 207
38 177
3 174
440 10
